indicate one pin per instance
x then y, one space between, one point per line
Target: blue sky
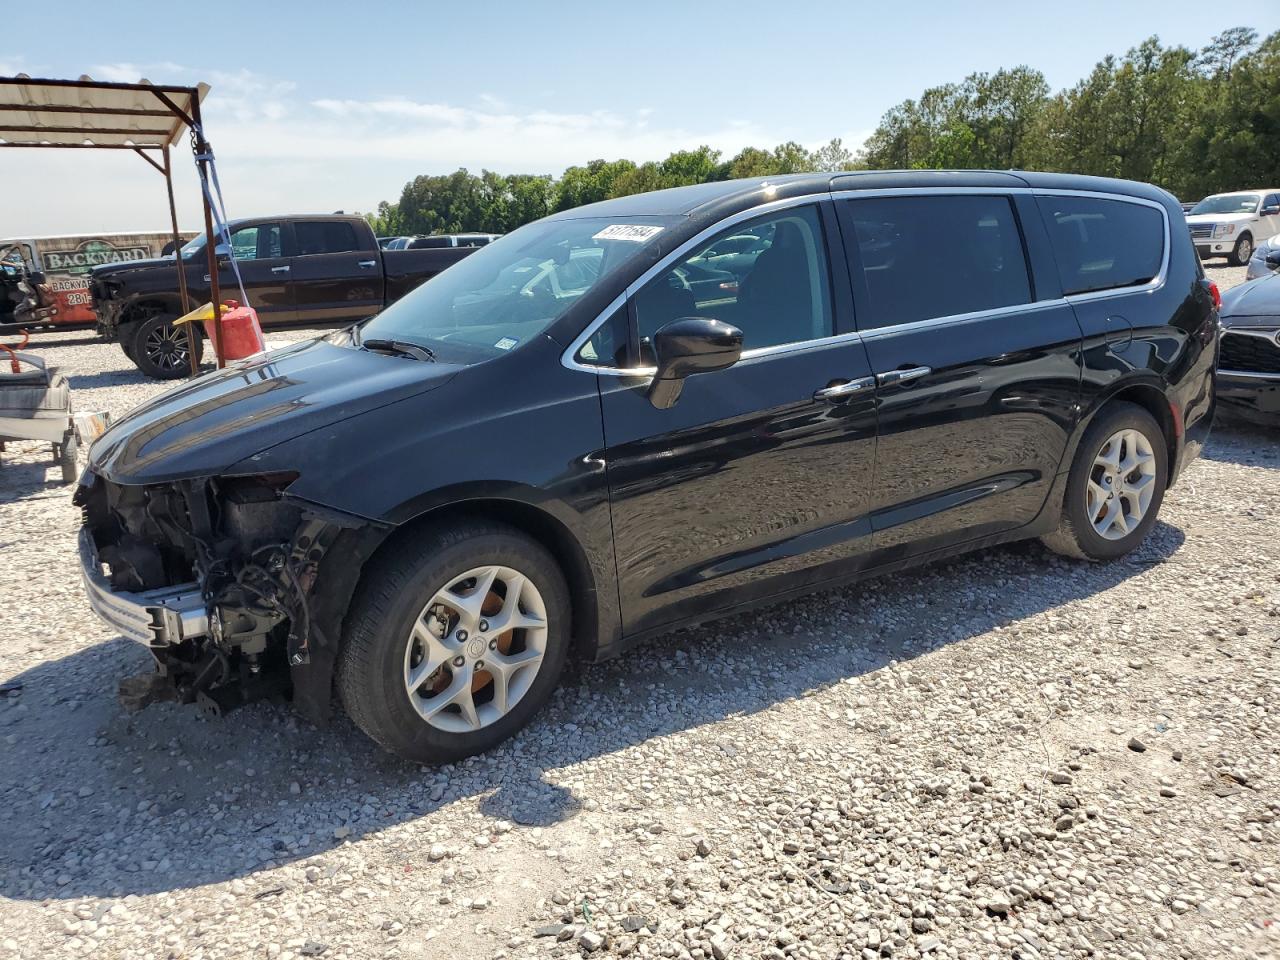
325 106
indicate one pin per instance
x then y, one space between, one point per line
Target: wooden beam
18 128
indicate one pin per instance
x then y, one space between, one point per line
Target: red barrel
241 332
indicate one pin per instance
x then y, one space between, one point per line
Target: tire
125 334
382 646
68 453
1078 534
159 348
1242 251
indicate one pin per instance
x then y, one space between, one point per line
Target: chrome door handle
891 377
368 263
284 269
838 391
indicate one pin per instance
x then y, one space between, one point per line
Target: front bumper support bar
157 618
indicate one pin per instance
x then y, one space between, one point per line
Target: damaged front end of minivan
237 589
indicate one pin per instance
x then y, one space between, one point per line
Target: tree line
1192 121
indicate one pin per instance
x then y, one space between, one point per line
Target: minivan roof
720 197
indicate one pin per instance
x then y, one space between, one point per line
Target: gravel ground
1007 755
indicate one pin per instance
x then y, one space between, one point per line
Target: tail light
1216 294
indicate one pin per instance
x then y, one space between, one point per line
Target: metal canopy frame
146 118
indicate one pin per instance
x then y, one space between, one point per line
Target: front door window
768 277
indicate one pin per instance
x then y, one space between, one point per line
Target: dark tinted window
929 256
778 293
324 236
1102 244
422 243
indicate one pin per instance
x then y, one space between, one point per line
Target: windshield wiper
414 350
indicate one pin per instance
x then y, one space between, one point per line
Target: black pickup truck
302 270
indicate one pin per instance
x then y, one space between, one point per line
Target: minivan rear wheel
456 640
1115 486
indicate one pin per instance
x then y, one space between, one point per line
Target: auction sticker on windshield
636 233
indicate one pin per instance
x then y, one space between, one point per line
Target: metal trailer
35 404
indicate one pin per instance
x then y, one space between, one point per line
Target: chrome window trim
568 356
953 319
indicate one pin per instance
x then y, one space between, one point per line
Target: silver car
1265 260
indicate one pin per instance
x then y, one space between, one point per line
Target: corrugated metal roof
89 113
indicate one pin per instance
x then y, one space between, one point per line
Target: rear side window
324 236
935 256
1103 244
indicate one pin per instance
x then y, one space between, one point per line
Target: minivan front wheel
455 642
1115 486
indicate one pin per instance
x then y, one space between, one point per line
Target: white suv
1232 224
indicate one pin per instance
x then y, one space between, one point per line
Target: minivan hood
1255 303
204 426
1219 217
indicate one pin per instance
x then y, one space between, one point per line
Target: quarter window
324 236
774 287
1103 244
935 256
608 346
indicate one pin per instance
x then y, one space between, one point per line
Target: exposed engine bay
253 558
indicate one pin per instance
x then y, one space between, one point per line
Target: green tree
1195 122
833 157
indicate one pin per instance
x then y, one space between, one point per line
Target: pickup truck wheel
1242 252
159 348
456 639
1115 487
125 334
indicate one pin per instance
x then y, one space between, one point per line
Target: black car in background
308 269
1249 369
586 434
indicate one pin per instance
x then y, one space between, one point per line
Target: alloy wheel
166 347
1244 250
475 649
1121 484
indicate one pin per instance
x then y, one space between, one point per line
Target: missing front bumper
157 618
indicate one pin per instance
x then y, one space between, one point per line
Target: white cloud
280 152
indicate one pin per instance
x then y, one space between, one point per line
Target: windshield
509 291
1227 203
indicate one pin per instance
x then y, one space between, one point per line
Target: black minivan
648 412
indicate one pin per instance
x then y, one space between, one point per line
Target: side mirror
687 346
1268 211
1273 259
222 252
